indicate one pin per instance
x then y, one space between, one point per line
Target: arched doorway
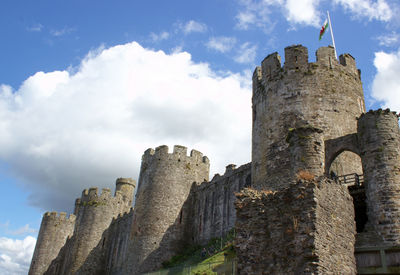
346 168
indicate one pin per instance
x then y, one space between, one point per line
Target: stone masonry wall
306 228
164 184
379 137
54 231
117 243
212 210
84 253
325 94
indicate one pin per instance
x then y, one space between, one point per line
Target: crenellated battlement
296 61
92 194
58 217
179 154
230 171
379 112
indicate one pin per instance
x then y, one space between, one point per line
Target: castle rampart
320 94
164 185
54 231
212 206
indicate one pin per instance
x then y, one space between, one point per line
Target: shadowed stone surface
306 228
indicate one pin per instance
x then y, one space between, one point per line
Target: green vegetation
202 260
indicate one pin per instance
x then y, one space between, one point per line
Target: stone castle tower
310 135
165 181
54 231
78 239
326 94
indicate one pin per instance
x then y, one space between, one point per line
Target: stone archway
344 152
345 147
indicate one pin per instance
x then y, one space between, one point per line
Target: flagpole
333 39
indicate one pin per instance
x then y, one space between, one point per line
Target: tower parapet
95 212
54 231
164 184
320 94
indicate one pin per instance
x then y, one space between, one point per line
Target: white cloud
386 84
221 44
246 53
388 39
303 12
258 13
64 131
61 32
193 26
379 9
159 37
35 28
16 255
24 230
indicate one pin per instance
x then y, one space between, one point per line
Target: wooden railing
350 179
378 260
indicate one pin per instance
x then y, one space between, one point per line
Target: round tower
53 233
94 215
379 138
326 94
126 186
164 185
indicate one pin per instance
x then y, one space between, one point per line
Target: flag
323 29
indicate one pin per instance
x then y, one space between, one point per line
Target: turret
325 94
126 186
164 184
53 233
379 138
95 212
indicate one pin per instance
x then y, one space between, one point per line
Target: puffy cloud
246 53
386 84
193 26
379 10
221 44
64 131
302 12
16 255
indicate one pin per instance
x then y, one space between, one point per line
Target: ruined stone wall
164 184
85 252
325 94
53 233
306 228
212 211
379 138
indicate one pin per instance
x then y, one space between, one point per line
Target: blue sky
87 86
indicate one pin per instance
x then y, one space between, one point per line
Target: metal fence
211 268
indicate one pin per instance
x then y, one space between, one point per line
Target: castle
324 196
